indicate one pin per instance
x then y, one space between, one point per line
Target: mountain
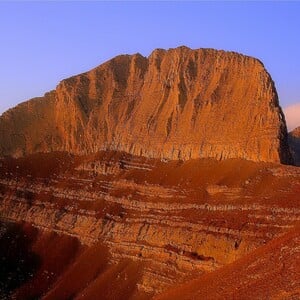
175 104
294 141
151 177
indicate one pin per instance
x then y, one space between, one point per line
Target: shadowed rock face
18 262
294 141
175 104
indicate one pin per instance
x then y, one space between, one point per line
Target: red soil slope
91 277
269 272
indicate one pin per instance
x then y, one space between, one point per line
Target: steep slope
270 272
32 259
175 104
294 142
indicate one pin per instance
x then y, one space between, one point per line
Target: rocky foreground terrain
157 177
139 226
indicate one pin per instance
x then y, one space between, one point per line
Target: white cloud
292 116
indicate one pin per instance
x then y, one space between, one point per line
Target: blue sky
43 42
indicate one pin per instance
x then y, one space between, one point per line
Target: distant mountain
175 104
294 141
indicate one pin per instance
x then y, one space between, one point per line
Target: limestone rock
175 104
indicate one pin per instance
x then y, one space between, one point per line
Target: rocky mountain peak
176 104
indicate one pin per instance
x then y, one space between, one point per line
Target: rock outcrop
294 141
175 104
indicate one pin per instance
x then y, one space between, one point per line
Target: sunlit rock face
175 104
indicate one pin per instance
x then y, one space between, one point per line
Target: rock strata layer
175 104
174 220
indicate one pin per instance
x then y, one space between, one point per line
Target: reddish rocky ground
269 272
116 226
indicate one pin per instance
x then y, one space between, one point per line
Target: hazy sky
43 42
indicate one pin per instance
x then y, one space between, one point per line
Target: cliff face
175 104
